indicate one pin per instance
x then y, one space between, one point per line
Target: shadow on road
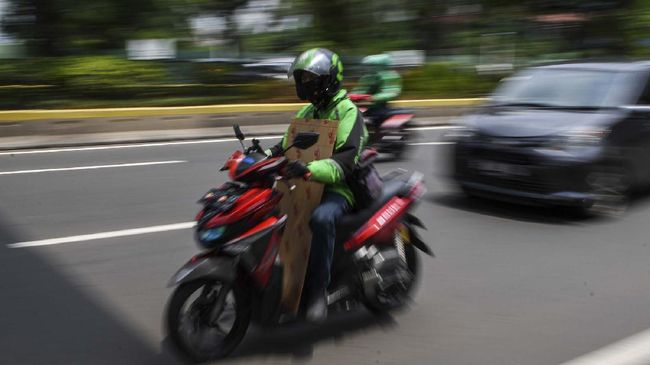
528 213
537 214
47 318
639 199
298 340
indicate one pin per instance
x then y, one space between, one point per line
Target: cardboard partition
299 205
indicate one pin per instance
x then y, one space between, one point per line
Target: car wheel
469 193
610 189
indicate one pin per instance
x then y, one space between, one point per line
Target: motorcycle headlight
209 237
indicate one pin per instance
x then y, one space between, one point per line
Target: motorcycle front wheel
207 319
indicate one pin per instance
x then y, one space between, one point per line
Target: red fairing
255 199
232 163
262 273
263 225
381 222
266 208
396 121
268 163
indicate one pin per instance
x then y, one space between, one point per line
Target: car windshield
570 88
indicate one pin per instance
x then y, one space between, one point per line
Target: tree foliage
71 27
62 27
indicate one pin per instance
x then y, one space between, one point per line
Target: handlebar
255 147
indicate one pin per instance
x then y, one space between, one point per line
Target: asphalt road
510 285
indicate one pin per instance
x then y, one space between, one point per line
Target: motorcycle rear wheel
384 303
188 324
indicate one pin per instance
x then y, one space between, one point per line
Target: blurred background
103 53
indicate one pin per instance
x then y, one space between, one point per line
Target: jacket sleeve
350 138
391 87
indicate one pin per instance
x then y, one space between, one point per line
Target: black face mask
307 90
313 90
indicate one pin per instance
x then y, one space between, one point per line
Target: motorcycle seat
350 223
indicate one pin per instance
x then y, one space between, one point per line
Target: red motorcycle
238 277
391 135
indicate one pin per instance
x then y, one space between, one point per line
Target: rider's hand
275 151
296 168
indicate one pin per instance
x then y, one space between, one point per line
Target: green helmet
318 74
378 61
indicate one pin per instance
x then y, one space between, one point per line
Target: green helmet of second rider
377 62
380 81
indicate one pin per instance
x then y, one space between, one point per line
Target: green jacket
384 86
351 137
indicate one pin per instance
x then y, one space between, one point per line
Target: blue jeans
323 228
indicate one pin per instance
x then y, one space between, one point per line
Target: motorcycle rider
382 84
318 74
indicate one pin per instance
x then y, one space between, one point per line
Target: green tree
63 27
225 9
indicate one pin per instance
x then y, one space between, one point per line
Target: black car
567 134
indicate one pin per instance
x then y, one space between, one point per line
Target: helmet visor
307 84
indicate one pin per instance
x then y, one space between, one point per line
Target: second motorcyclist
382 84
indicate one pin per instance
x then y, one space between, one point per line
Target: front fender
208 267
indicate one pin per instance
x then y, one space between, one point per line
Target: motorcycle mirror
238 133
240 136
305 140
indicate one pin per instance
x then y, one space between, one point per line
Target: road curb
34 115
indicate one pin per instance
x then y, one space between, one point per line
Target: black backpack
365 182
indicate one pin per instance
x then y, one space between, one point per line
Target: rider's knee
321 219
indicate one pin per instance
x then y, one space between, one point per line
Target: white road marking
120 146
103 235
434 128
429 143
174 143
634 350
92 167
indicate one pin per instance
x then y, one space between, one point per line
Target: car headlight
579 138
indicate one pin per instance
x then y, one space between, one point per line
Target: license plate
495 168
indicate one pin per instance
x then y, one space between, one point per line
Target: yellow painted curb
27 115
